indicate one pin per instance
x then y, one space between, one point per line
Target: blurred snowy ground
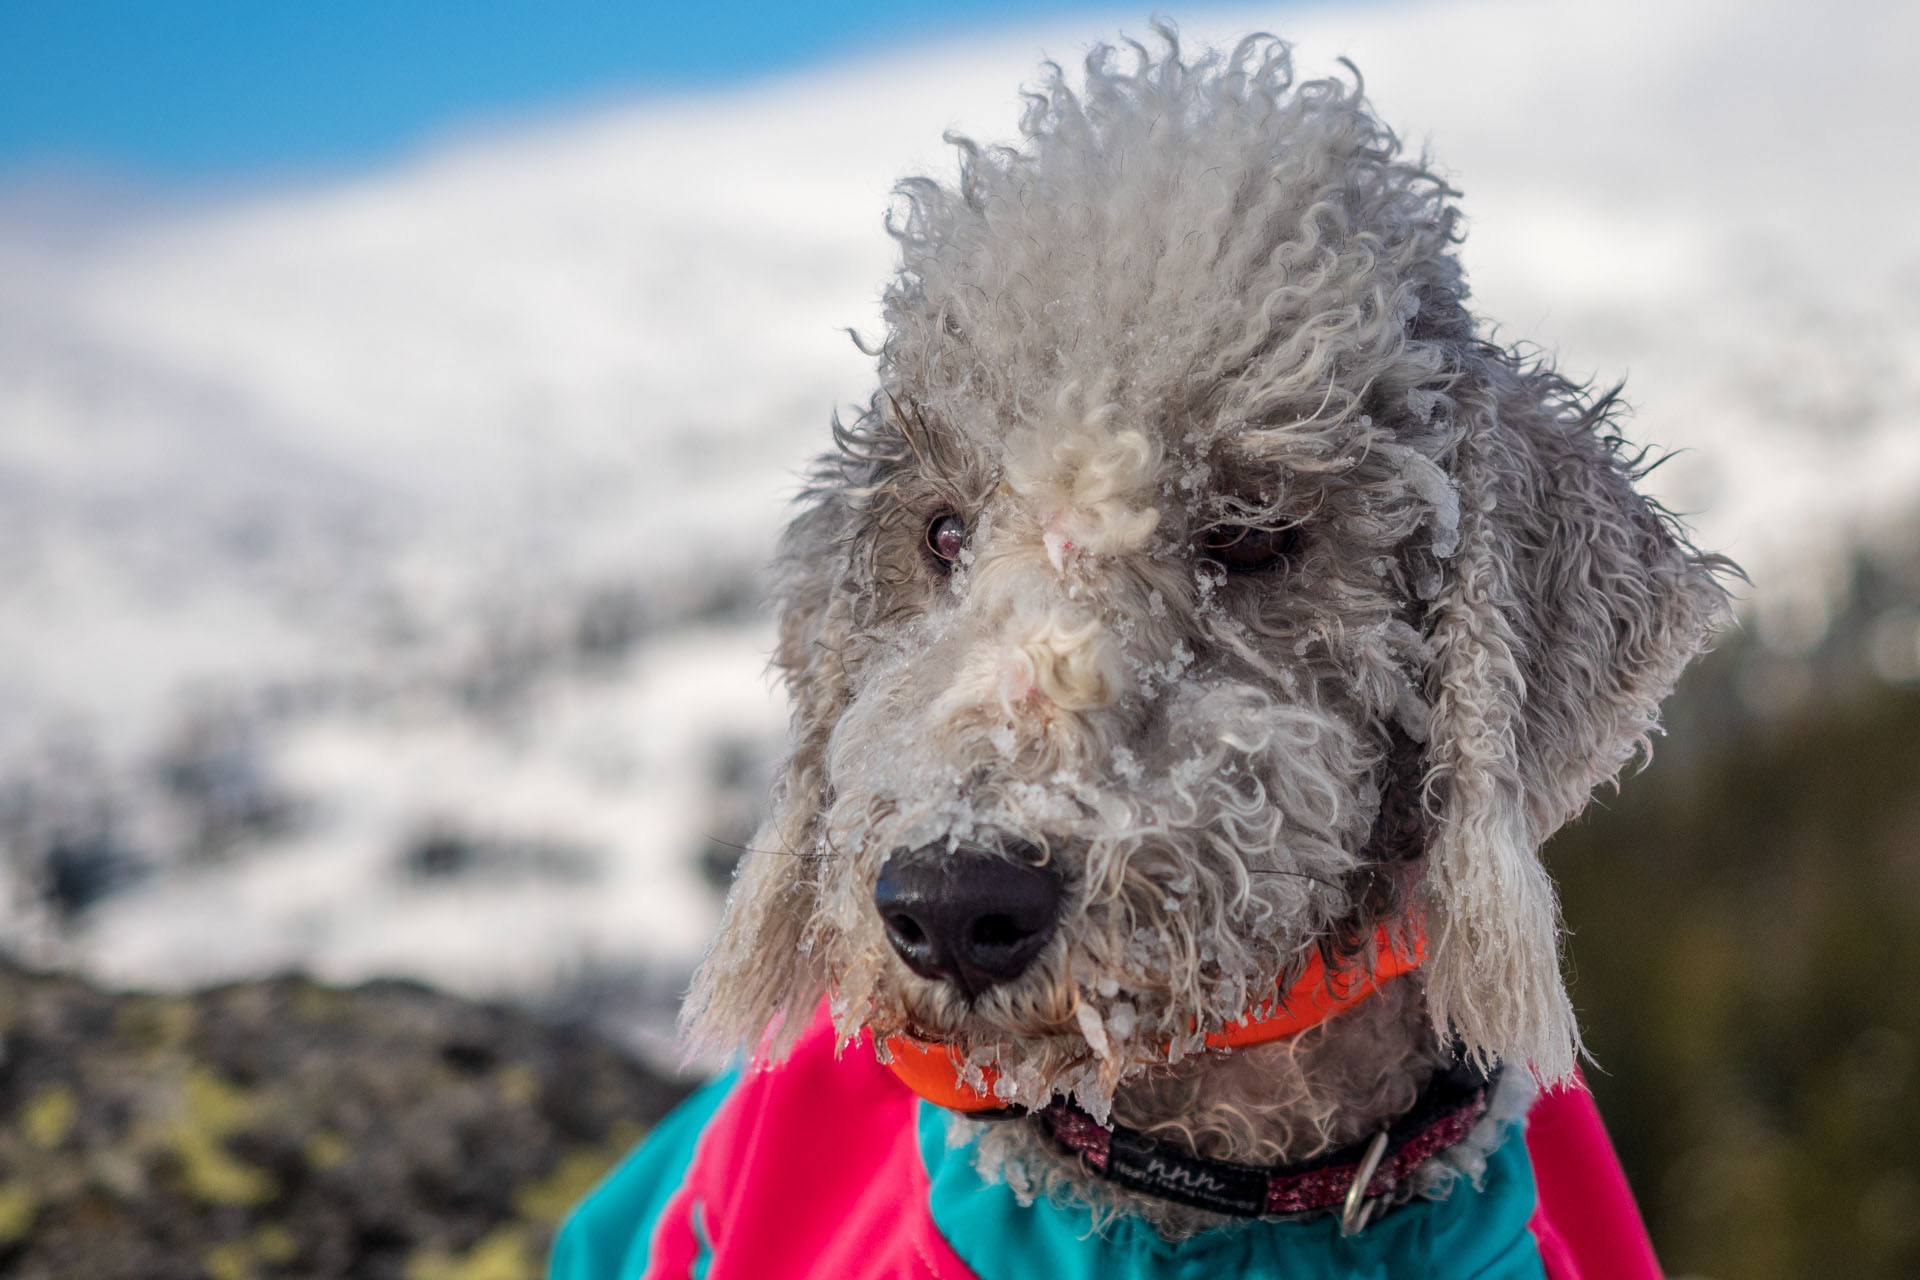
377 556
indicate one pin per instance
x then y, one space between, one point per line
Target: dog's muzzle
969 916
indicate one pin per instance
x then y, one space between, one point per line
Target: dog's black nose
973 917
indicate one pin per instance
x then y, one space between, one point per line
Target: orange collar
934 1070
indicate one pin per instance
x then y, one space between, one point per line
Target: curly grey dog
1201 593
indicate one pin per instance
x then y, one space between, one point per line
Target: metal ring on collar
1358 1210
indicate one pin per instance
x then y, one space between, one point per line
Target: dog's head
1198 590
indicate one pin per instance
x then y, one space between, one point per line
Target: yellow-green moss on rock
504 1254
278 1130
19 1205
48 1117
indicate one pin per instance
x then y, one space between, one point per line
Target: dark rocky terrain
284 1128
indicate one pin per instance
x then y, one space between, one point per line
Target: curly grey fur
1201 294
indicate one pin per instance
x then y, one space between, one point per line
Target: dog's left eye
1240 548
946 537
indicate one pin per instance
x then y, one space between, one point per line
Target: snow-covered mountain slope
376 555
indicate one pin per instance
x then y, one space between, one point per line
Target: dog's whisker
771 853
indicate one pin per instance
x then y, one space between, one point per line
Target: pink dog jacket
828 1167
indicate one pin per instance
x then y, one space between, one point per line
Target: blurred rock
284 1128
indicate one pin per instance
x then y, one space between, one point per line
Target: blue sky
183 90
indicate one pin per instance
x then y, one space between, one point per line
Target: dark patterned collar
1354 1179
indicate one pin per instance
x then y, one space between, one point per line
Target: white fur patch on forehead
1088 486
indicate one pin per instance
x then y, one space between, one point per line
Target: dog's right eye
946 537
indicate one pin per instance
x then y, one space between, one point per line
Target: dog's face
1198 590
1119 728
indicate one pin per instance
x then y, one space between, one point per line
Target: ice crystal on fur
1200 295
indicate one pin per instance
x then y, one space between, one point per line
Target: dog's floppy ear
758 972
1567 611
